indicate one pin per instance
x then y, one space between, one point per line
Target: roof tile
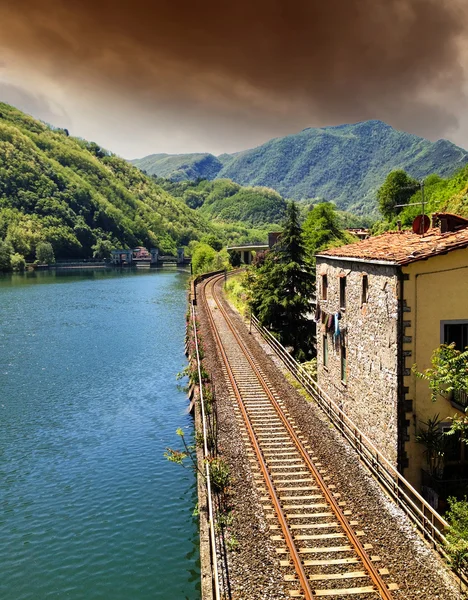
402 247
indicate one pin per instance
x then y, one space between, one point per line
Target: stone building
384 304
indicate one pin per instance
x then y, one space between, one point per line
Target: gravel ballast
251 570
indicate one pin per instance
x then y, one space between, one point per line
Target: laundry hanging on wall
330 322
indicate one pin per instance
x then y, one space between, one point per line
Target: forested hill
75 195
228 202
345 164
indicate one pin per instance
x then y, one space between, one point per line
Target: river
89 507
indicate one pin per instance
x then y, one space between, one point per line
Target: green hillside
180 167
73 194
344 164
440 194
228 202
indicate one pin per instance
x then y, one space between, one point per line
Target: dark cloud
254 61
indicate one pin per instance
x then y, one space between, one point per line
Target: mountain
345 164
74 194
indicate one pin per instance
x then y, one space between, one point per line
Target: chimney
398 223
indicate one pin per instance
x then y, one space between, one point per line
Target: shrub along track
313 544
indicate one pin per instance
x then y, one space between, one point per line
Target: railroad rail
318 545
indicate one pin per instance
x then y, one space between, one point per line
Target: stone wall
370 393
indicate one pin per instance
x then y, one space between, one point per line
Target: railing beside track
430 524
206 456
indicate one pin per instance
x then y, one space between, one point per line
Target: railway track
318 544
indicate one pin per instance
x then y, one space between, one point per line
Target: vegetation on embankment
237 293
440 195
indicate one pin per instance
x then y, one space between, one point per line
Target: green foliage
232 543
234 258
75 195
448 376
344 164
310 367
5 256
220 474
45 253
102 249
17 262
433 439
213 241
282 287
180 167
397 189
237 292
448 371
205 259
440 195
225 201
322 228
457 536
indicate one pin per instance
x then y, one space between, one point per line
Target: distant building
140 253
385 303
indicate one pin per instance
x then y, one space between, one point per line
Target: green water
89 508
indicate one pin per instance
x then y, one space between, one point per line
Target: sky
149 76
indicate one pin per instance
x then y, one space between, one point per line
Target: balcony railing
450 483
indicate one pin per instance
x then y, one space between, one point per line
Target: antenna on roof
421 223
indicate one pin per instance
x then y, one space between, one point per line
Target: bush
18 262
5 256
457 537
45 253
220 474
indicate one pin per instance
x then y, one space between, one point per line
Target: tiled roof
402 247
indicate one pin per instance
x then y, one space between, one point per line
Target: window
325 351
343 363
452 445
365 287
342 292
324 287
456 333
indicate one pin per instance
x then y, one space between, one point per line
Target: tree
397 188
102 249
234 258
203 258
321 228
282 287
212 241
5 256
45 253
17 262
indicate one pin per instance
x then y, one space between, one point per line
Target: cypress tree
282 289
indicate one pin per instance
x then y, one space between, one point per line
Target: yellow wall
437 290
